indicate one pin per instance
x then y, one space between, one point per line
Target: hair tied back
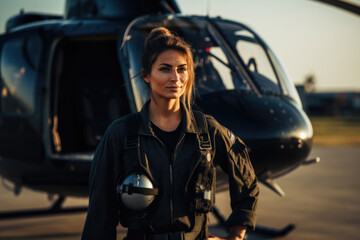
159 32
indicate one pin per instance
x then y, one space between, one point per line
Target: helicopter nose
277 132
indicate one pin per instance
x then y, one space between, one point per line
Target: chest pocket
240 154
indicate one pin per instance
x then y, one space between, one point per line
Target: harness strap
130 189
205 179
203 132
132 124
131 138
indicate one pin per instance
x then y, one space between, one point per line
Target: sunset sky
310 38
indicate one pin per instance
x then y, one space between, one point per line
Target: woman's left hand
213 237
237 233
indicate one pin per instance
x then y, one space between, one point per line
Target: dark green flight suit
170 211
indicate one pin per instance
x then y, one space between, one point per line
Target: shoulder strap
203 131
205 178
131 128
132 123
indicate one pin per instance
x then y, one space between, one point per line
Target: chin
173 96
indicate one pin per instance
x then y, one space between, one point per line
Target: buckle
131 142
207 195
204 142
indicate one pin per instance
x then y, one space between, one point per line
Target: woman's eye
164 69
181 69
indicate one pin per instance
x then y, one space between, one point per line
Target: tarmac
322 201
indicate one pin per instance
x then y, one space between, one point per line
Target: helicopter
64 79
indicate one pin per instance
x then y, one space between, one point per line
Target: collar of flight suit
188 120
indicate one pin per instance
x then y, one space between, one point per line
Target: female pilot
154 170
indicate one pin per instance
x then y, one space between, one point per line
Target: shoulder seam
121 123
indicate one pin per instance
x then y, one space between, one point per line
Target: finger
211 237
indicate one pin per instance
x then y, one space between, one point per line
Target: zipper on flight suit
172 158
172 179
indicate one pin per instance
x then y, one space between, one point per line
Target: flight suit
171 173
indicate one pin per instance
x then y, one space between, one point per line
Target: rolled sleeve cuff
242 218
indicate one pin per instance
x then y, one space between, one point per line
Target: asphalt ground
322 200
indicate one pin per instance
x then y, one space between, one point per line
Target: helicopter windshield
227 59
259 60
252 55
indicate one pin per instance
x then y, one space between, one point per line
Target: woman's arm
232 156
102 217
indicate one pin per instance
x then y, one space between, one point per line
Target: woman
173 149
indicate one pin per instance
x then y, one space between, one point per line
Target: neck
165 113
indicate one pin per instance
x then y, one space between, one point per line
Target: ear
145 76
147 79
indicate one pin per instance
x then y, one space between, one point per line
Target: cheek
185 83
184 77
157 81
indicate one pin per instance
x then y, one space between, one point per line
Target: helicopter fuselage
64 81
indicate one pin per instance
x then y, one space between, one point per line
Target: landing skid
259 230
55 209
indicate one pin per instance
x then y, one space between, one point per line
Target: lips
174 87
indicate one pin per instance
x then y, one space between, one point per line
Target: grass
336 131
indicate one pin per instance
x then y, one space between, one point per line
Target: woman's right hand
213 237
237 233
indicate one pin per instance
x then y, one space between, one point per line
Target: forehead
172 57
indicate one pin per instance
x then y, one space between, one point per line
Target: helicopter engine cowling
85 9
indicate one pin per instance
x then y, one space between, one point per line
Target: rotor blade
351 7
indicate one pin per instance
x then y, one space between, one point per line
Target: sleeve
103 211
232 156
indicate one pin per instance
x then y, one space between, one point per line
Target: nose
175 76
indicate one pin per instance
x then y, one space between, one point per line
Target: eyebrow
168 65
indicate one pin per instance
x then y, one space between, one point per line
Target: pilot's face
168 75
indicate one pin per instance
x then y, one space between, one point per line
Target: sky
310 38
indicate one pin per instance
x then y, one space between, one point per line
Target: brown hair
159 40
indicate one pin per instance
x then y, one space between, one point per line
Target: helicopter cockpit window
213 71
254 57
19 64
221 66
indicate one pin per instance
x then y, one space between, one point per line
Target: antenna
208 8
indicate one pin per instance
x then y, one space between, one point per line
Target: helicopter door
87 93
20 71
